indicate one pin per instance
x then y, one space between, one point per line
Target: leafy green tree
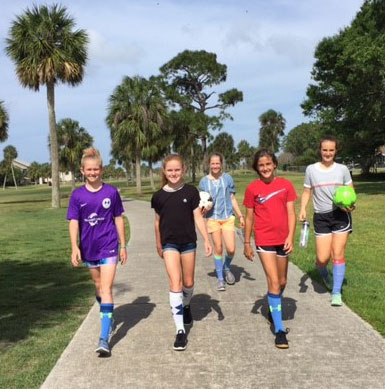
46 50
72 140
245 153
224 144
34 172
302 142
10 153
4 118
136 114
348 93
272 129
190 78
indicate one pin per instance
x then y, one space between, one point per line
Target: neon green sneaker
336 300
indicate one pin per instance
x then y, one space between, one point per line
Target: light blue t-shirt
221 191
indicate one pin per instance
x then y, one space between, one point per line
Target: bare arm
289 242
119 223
157 236
201 225
75 251
238 212
304 202
248 250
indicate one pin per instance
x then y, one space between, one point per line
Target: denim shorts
181 248
100 262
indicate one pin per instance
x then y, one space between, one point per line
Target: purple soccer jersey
95 212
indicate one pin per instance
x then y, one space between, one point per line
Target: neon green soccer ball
344 197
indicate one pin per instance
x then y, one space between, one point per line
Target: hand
349 209
160 251
302 215
208 249
204 211
288 246
76 257
123 255
248 252
241 222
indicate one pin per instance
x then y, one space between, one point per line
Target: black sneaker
280 340
187 317
180 343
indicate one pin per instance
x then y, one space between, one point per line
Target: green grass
44 299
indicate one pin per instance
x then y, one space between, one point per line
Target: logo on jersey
106 203
93 219
262 200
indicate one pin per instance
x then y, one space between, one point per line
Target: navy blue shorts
334 222
182 248
278 250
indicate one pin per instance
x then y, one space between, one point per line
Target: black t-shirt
176 214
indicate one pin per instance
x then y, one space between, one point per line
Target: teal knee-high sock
339 266
218 262
276 311
106 312
228 259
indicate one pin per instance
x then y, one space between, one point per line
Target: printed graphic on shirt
106 203
262 200
93 219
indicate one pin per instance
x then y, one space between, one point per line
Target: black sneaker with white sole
280 339
180 343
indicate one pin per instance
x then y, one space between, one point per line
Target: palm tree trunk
193 166
5 180
73 179
138 176
151 175
53 145
13 175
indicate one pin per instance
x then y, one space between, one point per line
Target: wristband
246 242
240 216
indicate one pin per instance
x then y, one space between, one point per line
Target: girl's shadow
238 271
202 305
130 315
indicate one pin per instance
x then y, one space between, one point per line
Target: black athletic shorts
334 222
278 250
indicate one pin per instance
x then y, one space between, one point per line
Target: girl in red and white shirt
269 203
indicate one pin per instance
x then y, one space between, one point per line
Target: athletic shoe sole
102 351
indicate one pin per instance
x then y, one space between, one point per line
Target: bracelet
240 216
246 242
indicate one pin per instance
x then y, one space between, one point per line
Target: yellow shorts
214 225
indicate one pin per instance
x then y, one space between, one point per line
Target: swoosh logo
262 200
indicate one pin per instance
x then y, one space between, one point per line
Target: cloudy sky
267 45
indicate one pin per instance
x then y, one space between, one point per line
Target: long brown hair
170 157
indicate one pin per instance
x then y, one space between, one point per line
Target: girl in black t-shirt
177 212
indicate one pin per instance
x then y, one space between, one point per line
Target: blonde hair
91 153
170 157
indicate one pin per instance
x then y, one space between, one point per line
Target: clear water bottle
304 234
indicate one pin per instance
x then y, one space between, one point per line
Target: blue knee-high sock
106 312
228 259
274 301
339 267
218 261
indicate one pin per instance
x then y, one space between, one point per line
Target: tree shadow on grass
369 188
37 295
129 315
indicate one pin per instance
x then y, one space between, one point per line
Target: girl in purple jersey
177 212
332 225
95 214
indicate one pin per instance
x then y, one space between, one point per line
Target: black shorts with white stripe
334 222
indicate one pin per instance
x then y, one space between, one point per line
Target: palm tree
272 128
72 140
10 153
46 50
136 114
3 122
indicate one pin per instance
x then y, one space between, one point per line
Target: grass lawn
44 299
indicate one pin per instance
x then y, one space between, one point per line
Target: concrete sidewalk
230 343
